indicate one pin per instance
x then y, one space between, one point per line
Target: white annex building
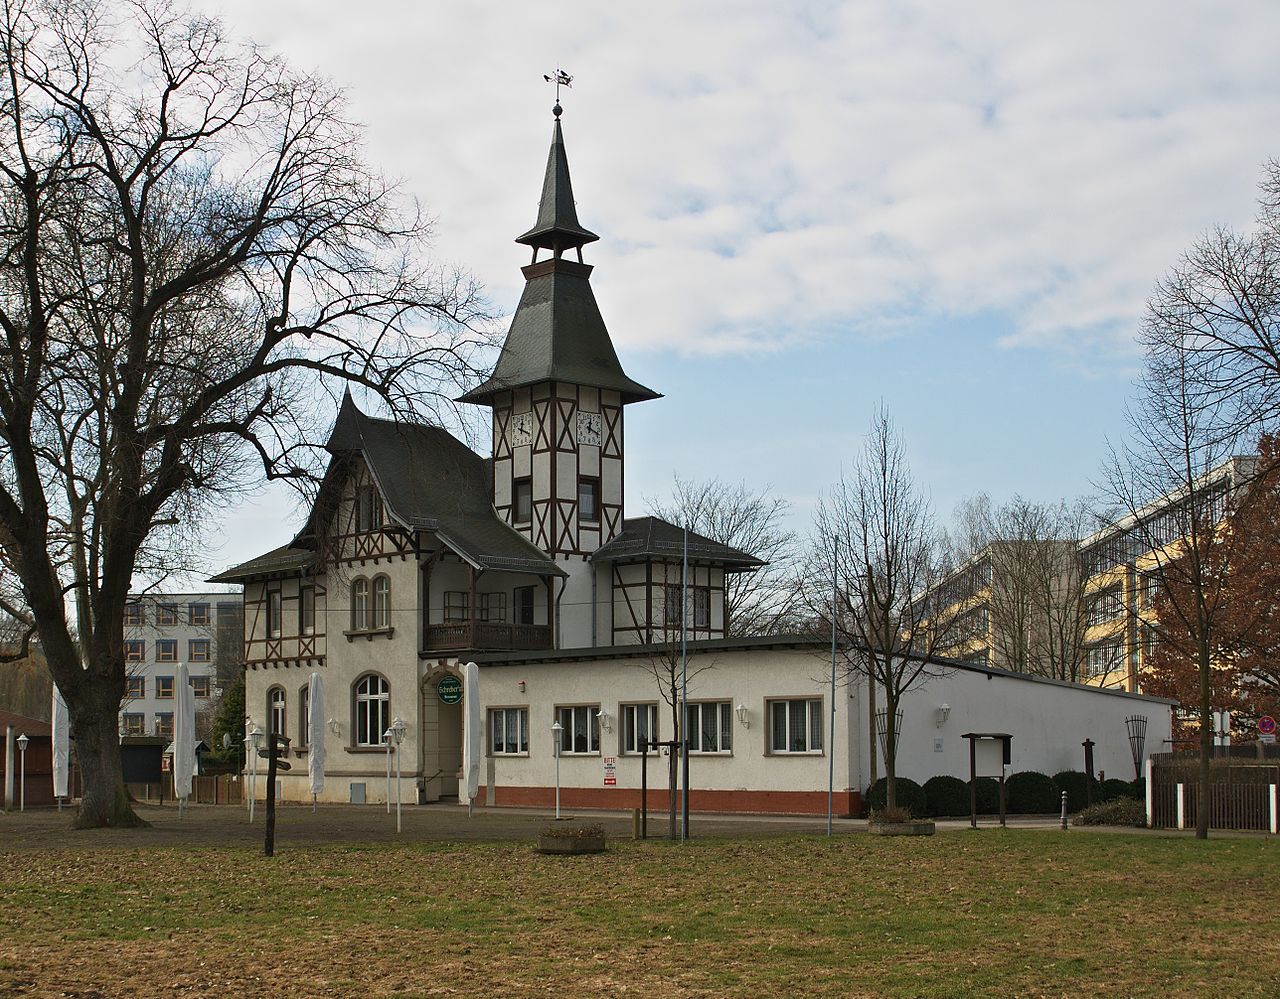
420 556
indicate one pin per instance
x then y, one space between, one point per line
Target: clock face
589 428
521 429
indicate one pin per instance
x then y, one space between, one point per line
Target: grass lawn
989 913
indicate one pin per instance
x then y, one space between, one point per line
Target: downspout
564 581
595 643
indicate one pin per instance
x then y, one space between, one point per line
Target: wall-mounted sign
449 690
610 771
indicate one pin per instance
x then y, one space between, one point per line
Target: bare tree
875 533
761 602
191 250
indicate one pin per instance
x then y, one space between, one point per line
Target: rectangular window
671 605
493 607
164 688
589 500
457 605
1102 659
708 726
135 724
523 501
166 614
134 616
702 607
509 731
795 726
201 687
135 650
307 610
579 728
304 716
368 509
135 686
198 650
524 605
639 726
166 650
275 613
1107 606
198 615
164 724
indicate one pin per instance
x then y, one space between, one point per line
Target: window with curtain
795 726
372 709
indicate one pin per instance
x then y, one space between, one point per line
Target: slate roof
286 558
557 227
558 334
430 481
652 537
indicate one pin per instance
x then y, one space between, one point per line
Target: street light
396 731
556 729
22 749
386 745
252 743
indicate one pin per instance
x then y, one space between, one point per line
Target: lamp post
556 729
253 742
22 751
397 731
386 743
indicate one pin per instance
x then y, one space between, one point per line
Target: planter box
916 828
570 844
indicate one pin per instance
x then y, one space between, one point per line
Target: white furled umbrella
471 731
184 735
61 746
315 736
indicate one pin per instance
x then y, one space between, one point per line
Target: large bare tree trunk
104 801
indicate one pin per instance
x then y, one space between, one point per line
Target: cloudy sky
806 208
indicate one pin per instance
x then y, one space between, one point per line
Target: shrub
1113 789
946 796
988 796
1117 812
910 795
1079 786
892 815
1031 793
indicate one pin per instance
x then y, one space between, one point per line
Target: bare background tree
762 602
875 531
191 252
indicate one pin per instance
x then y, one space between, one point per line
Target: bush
1081 789
910 795
1031 793
1117 812
1112 789
593 831
988 796
946 796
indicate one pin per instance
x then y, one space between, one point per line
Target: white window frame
381 601
792 746
307 610
723 742
368 703
275 613
277 711
501 721
568 715
304 715
628 713
361 604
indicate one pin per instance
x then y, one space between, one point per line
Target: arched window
304 715
372 706
381 602
359 604
275 711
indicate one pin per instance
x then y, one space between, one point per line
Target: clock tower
558 392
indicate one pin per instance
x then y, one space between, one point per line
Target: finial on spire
561 79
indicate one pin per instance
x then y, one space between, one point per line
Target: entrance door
450 748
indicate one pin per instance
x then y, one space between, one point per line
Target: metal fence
1244 792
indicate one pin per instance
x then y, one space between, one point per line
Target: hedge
1031 793
946 796
910 795
988 796
1082 790
1113 788
1117 812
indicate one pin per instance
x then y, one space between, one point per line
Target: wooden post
973 783
473 610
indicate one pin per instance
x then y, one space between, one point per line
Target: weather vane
560 79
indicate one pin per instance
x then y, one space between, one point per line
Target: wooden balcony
458 635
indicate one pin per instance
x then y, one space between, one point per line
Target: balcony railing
484 635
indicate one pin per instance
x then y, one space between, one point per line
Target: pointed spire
557 228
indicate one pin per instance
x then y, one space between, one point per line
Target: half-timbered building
420 555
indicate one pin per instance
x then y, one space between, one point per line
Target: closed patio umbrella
184 735
471 731
61 746
315 736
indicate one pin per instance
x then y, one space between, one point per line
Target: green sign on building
449 690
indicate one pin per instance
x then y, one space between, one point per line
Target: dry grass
985 914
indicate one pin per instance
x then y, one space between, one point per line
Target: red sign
1267 725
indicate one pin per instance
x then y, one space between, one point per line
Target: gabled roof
430 481
558 334
651 537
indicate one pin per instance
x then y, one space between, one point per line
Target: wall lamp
943 711
606 723
335 726
744 717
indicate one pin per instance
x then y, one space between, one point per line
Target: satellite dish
226 740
